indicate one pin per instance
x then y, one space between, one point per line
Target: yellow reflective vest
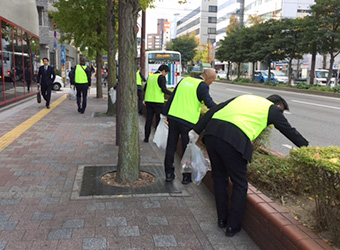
248 112
185 104
138 78
153 92
81 76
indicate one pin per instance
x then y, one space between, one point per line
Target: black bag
38 97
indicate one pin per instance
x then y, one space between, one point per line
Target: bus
153 59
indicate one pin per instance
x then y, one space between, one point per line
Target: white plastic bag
161 134
194 160
72 95
113 95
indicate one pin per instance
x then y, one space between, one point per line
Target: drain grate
93 185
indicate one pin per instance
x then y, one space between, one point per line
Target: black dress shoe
222 223
146 140
169 177
230 232
48 107
186 178
79 109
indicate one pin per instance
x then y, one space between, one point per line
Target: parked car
321 77
279 76
58 83
221 74
276 76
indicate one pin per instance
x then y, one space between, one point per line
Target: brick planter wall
272 228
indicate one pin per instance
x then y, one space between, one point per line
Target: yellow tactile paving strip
15 133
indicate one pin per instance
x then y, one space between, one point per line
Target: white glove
162 116
193 136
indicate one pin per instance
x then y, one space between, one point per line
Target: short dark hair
164 67
45 58
278 100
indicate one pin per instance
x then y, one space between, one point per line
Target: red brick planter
270 227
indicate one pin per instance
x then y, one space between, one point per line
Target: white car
279 76
58 83
221 74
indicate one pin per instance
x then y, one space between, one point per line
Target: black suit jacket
46 77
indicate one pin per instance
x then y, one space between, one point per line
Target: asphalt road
317 118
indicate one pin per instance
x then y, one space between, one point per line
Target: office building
201 20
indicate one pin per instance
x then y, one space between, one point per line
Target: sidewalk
38 175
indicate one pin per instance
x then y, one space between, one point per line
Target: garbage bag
194 161
113 95
72 94
161 134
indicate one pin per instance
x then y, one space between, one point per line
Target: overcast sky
165 9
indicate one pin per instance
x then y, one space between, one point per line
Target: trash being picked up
194 162
113 95
72 94
161 134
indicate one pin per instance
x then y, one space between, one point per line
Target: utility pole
142 44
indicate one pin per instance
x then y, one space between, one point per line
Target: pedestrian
155 89
140 93
82 81
71 76
230 128
183 110
28 78
46 77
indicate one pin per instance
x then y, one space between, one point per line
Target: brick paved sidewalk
37 176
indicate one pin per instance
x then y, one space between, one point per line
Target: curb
311 92
270 227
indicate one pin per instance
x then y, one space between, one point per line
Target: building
226 9
19 49
157 41
50 45
201 20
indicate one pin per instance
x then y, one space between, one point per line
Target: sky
165 9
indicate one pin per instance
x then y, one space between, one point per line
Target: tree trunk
324 61
290 71
269 71
238 70
111 52
330 70
128 153
228 72
312 69
253 71
99 74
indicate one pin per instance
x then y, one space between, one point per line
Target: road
317 118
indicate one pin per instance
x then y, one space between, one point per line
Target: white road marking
316 104
287 146
234 90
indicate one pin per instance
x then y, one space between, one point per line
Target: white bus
153 59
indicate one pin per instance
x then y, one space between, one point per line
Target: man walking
46 77
183 110
82 80
154 97
230 128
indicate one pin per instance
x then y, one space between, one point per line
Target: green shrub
271 173
195 73
270 83
320 88
321 167
303 86
336 89
245 80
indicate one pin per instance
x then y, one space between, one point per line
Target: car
221 74
279 76
321 76
262 76
58 83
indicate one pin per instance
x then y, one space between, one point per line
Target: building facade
19 49
201 20
158 41
50 45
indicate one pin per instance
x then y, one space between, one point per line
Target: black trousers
227 162
82 94
152 109
175 129
140 95
28 84
46 93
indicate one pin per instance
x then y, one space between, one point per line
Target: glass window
2 77
212 19
211 30
19 63
41 15
26 41
212 8
8 64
